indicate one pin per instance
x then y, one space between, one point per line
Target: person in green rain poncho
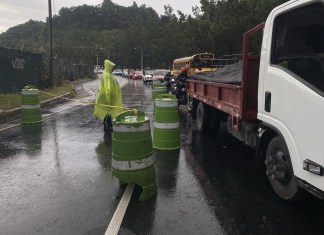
109 93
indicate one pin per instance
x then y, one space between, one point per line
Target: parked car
148 76
124 74
138 75
130 73
117 72
98 69
158 74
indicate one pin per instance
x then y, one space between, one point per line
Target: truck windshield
298 44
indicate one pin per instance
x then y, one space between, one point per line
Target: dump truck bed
225 97
238 99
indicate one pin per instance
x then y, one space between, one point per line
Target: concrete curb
78 86
14 114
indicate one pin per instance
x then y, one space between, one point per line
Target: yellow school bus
202 62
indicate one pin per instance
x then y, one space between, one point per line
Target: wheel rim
190 103
278 168
200 117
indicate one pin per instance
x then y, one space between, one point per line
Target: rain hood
109 93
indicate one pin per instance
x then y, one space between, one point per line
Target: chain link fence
21 68
18 69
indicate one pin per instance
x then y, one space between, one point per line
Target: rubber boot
108 127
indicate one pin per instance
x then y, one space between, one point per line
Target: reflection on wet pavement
56 179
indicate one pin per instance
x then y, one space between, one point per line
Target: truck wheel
202 120
280 171
192 106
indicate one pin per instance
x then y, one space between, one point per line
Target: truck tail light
312 167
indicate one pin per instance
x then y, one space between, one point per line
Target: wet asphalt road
56 179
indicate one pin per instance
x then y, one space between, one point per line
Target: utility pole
134 58
74 67
50 44
97 56
142 59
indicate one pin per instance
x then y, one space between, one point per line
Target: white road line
63 109
43 116
8 127
118 216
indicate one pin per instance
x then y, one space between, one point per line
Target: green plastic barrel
166 132
159 88
157 82
133 159
30 107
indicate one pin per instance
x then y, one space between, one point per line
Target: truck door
291 87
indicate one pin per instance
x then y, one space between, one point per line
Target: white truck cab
291 97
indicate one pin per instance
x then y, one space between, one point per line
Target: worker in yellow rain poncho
109 94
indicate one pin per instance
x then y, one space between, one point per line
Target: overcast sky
14 12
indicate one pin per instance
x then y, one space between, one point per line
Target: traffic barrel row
30 107
133 158
158 89
166 133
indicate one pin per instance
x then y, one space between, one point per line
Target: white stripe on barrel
131 128
30 106
30 92
133 165
162 89
169 125
166 103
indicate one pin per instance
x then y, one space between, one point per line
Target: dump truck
273 100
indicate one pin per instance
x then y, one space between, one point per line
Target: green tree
83 31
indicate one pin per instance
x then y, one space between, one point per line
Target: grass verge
13 100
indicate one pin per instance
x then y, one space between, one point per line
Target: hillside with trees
83 32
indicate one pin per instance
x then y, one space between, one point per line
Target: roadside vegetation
89 34
85 34
10 101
